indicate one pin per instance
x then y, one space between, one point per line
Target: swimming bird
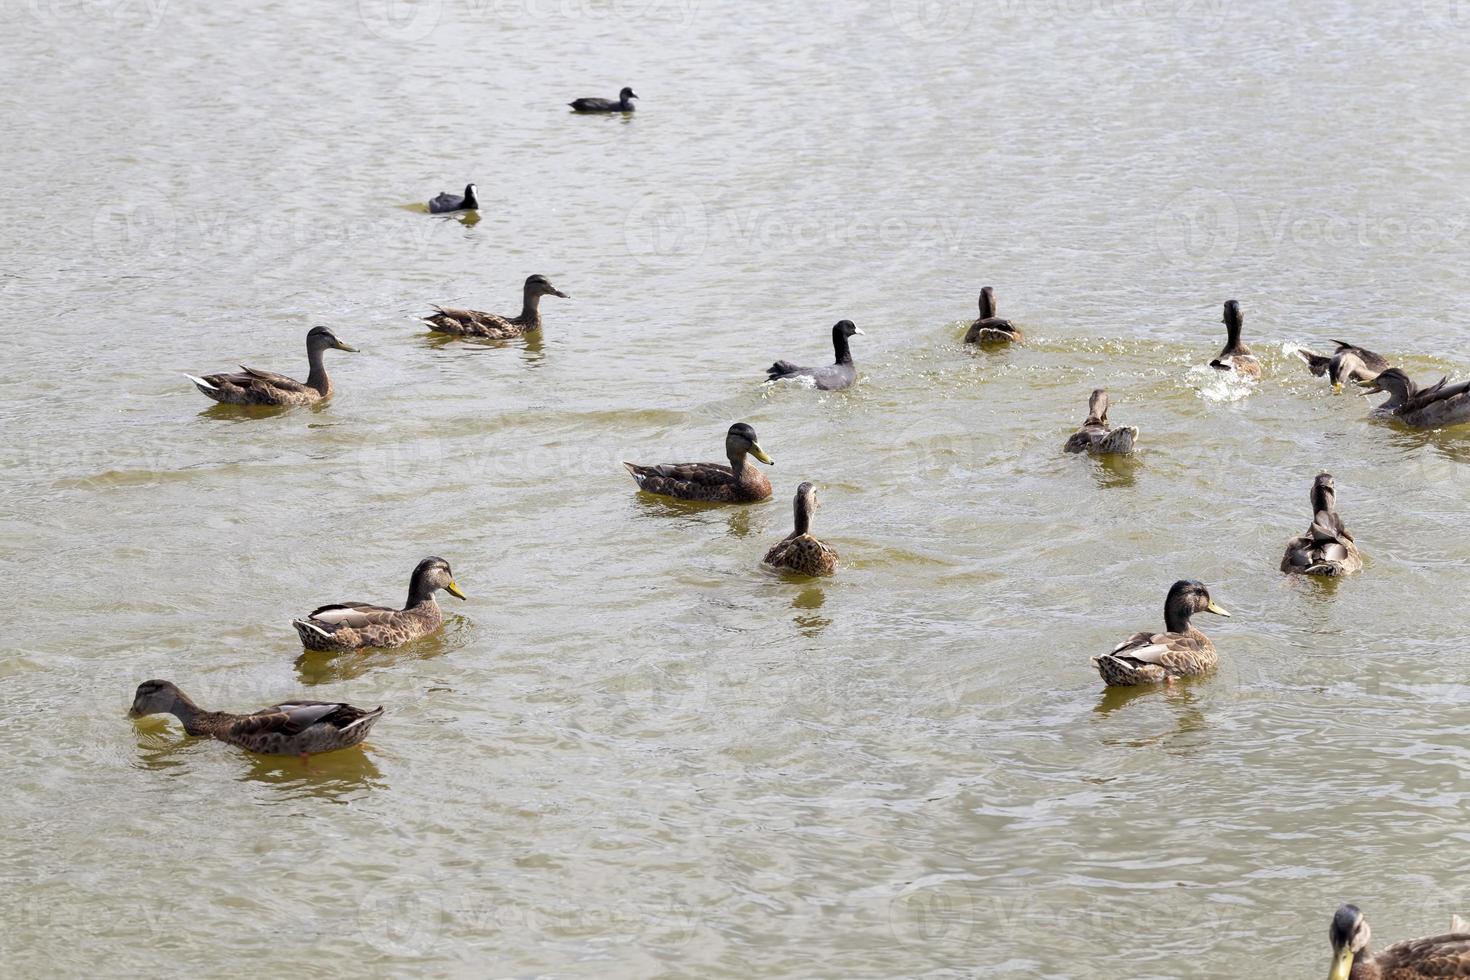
1327 547
1180 651
828 377
1095 436
991 329
355 625
623 103
1347 363
252 387
1424 408
291 728
1430 958
446 202
799 551
740 482
473 323
1235 356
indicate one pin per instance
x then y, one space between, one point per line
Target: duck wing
253 376
1372 361
1316 363
355 615
449 319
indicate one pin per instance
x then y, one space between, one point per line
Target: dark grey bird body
623 103
446 202
829 377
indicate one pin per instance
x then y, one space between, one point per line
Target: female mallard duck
991 329
447 203
1179 651
252 387
1095 436
293 728
623 103
1235 356
1347 363
355 625
1424 408
1325 548
473 323
738 483
799 551
829 377
1432 957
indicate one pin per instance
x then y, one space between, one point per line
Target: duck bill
1337 388
558 292
1216 610
760 454
858 330
453 590
347 347
1342 964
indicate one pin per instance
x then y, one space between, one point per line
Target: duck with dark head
293 728
1235 356
1438 405
740 482
1326 547
991 328
1095 436
1158 658
492 326
623 103
252 387
357 625
1431 958
829 377
801 551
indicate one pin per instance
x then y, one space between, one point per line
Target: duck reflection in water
1183 704
1113 470
806 603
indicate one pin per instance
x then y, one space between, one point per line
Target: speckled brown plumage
290 728
740 482
1326 547
1094 436
473 323
799 551
356 625
1180 651
1235 356
990 328
252 387
1430 958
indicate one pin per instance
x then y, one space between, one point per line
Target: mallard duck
1095 436
799 551
355 625
1424 408
623 103
1325 548
472 323
1235 356
740 482
292 728
446 202
991 329
1430 958
1347 363
252 387
1179 651
829 377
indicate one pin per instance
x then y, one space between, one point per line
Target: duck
1095 436
1445 955
1326 547
358 625
1235 356
1347 363
829 377
991 329
623 103
446 203
799 551
252 387
1180 651
1424 408
473 323
293 728
738 483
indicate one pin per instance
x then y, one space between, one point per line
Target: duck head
539 285
1349 934
431 575
741 440
322 338
1187 597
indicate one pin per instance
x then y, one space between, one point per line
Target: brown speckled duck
1235 356
1347 363
292 728
1179 651
991 329
1438 405
473 323
1326 548
355 625
252 387
738 483
799 551
1431 958
1095 436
